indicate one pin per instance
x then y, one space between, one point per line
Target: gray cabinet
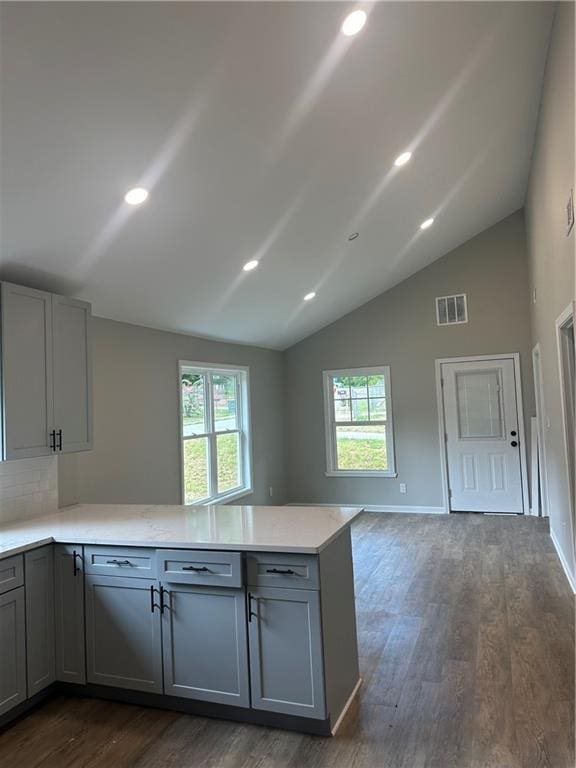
46 373
39 589
286 662
123 633
12 650
69 613
72 374
205 644
26 371
11 573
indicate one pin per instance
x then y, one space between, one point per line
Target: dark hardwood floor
466 631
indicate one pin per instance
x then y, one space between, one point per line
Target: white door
482 441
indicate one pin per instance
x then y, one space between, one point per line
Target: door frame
540 401
562 321
515 357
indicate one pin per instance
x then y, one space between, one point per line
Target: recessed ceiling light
427 223
136 196
403 158
310 296
353 23
250 265
354 235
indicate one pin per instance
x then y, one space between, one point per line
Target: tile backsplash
28 488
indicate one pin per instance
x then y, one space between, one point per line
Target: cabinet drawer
184 566
283 570
11 573
119 561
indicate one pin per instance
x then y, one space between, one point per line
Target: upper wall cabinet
46 373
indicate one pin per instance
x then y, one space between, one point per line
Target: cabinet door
286 668
69 613
12 650
26 371
72 374
205 644
123 633
39 586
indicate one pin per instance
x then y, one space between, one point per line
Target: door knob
513 443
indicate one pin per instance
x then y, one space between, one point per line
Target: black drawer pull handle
75 555
118 562
251 613
285 572
194 568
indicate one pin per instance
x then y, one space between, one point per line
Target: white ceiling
261 132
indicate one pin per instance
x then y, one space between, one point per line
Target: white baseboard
376 507
563 562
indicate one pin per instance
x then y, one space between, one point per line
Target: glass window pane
377 409
358 386
360 410
460 309
228 450
225 402
195 470
193 404
342 410
341 386
478 403
451 302
361 448
376 386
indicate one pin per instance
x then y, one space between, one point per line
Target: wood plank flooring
466 632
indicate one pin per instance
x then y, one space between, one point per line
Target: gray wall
399 328
551 253
136 456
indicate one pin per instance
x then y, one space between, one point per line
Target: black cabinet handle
74 556
59 440
286 572
152 603
250 611
118 562
513 443
513 433
163 591
194 568
53 440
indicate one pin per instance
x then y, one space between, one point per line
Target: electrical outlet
270 491
402 487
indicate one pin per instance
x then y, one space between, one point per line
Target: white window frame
331 423
244 430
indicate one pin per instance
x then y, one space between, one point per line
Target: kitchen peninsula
237 612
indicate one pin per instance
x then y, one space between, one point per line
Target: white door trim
541 420
562 320
515 357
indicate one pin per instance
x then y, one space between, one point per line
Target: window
359 434
215 433
451 310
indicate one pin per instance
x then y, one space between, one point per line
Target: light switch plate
570 213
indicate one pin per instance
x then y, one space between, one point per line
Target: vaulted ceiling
261 132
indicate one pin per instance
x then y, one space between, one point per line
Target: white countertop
240 528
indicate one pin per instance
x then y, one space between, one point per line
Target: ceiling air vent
451 310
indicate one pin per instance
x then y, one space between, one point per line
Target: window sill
239 494
354 473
